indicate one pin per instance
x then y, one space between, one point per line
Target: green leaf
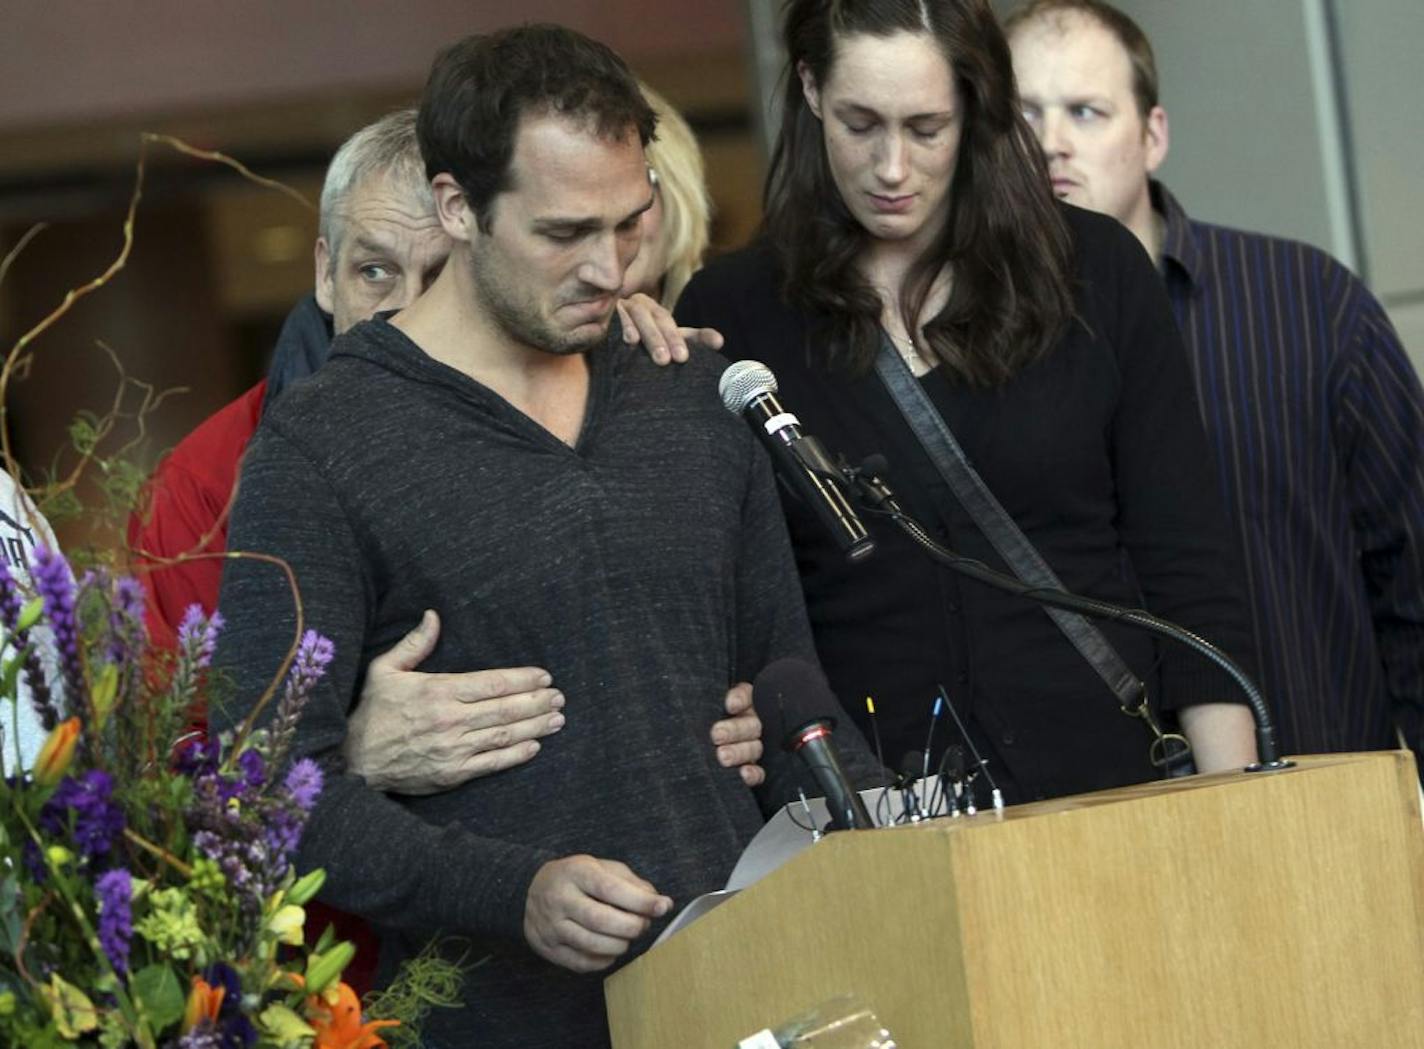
10 674
60 505
323 968
306 887
30 614
105 689
84 433
158 994
70 1008
10 922
284 1026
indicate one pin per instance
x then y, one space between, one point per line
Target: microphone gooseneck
876 497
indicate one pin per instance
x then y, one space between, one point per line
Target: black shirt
1096 450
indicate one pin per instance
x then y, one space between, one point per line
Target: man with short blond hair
1315 414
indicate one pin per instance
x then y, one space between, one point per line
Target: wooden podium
1252 910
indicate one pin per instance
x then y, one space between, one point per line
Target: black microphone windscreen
874 464
912 766
955 762
790 693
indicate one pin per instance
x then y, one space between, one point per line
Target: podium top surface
1157 788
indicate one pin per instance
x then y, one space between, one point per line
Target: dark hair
1005 238
1128 33
480 88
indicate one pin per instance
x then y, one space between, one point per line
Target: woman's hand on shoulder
647 321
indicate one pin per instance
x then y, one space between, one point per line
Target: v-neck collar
379 342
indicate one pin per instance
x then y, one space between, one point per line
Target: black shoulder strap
994 521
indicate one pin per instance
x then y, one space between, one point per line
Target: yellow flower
57 753
287 923
58 856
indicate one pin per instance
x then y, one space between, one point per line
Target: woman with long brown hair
907 207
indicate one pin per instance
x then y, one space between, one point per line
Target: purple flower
238 846
130 598
55 584
198 636
253 769
281 831
198 758
125 599
10 608
285 817
304 782
97 820
115 891
313 657
126 619
246 785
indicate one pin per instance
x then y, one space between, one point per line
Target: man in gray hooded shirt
495 451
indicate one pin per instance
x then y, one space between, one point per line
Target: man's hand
415 733
647 321
582 913
738 737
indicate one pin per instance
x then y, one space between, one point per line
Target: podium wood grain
1221 911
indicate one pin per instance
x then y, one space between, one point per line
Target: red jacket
191 489
190 493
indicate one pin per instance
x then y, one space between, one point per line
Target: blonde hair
682 184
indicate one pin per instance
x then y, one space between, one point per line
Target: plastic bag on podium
844 1022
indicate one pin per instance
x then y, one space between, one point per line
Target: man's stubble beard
517 312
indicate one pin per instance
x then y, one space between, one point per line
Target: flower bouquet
147 892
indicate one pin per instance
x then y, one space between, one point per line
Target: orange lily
339 1026
57 752
204 1001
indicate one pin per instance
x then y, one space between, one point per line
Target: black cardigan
1096 450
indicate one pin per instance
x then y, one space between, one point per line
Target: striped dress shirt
1317 419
